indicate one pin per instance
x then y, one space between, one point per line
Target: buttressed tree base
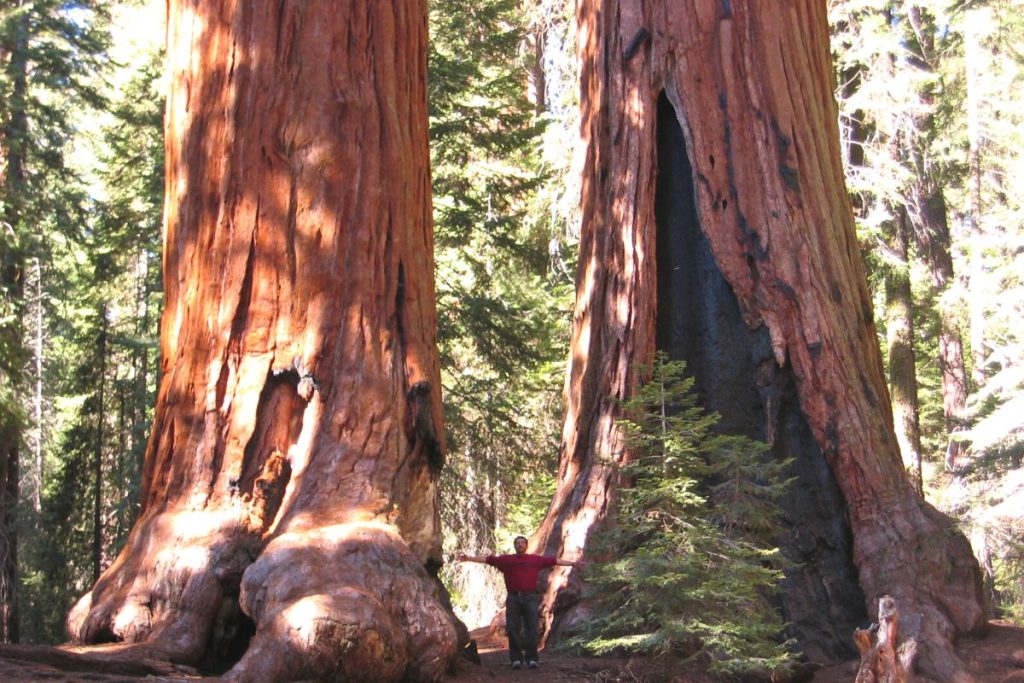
716 227
290 518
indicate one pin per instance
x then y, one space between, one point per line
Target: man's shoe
532 664
517 664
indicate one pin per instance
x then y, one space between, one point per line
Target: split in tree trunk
699 320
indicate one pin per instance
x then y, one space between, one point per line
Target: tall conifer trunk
97 463
929 214
290 478
12 277
931 222
762 291
899 325
38 400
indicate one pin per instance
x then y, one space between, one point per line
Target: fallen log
115 659
883 658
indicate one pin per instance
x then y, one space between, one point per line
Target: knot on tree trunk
268 491
883 658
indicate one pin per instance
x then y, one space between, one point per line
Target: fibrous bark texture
293 460
110 660
780 337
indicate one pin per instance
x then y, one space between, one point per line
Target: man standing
520 571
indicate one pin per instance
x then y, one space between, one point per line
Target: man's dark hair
518 537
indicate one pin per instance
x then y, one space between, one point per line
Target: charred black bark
699 321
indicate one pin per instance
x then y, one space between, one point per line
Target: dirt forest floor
996 657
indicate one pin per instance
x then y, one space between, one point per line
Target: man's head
519 544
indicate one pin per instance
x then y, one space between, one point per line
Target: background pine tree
502 308
930 97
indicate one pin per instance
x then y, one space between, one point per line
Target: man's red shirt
520 571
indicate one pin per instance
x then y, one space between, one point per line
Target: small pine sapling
693 568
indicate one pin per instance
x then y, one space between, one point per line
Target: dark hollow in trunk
699 321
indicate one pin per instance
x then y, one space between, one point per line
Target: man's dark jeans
521 610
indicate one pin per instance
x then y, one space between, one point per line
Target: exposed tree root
347 602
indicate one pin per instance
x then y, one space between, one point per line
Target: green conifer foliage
51 53
985 129
101 361
932 89
693 568
502 312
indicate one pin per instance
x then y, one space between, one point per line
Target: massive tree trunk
716 226
290 479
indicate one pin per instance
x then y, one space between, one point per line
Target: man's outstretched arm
462 557
579 564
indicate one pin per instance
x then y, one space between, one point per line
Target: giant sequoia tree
289 506
716 227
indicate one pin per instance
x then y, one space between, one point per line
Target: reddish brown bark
536 77
111 660
295 448
751 86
